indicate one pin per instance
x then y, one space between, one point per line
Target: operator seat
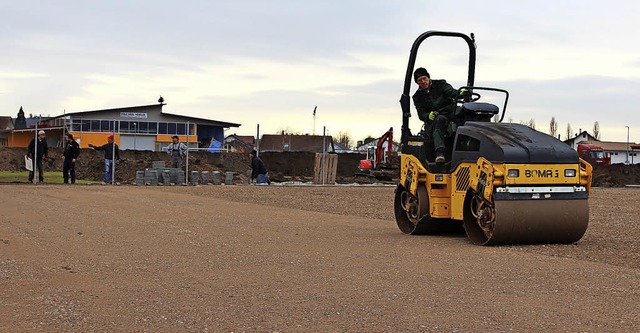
475 111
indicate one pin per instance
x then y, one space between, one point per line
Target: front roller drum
412 214
535 221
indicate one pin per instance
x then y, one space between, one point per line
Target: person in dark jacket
258 170
110 151
42 151
435 101
70 154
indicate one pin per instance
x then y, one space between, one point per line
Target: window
124 126
182 129
76 125
95 125
143 127
86 126
162 128
171 128
153 128
191 129
105 126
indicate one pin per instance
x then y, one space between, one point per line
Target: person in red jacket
111 151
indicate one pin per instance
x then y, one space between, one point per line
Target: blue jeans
261 178
107 170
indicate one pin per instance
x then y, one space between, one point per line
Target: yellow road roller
503 183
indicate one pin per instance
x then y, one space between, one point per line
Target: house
295 142
6 126
143 127
239 143
620 152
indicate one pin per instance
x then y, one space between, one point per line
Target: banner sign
138 115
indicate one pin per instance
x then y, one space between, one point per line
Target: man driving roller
435 101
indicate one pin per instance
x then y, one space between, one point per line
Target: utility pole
314 119
627 162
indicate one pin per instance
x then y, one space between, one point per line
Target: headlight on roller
513 173
569 172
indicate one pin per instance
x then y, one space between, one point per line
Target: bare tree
568 131
344 138
288 130
553 127
596 130
532 123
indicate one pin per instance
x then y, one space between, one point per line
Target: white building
620 152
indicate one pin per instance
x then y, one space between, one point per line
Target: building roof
248 139
292 142
612 146
6 123
155 106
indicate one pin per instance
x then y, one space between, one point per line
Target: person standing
177 150
42 151
110 151
435 101
258 170
70 154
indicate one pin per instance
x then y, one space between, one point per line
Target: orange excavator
381 163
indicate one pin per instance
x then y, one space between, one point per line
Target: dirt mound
616 175
284 166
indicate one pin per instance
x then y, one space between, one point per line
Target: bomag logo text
541 173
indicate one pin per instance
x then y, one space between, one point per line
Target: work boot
439 157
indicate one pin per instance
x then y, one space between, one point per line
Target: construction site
470 224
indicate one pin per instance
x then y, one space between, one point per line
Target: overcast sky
270 62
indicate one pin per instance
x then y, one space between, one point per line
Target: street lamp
627 162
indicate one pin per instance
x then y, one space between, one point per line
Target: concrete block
215 178
195 177
228 178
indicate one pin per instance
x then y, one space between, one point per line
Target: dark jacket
440 97
108 150
71 150
257 167
43 148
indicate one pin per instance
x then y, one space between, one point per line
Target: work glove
433 115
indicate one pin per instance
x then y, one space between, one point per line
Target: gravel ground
296 259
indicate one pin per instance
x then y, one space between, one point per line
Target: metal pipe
35 153
324 148
113 155
186 171
627 162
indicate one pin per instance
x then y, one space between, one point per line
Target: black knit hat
420 72
253 153
70 136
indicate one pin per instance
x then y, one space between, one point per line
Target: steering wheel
469 97
474 97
